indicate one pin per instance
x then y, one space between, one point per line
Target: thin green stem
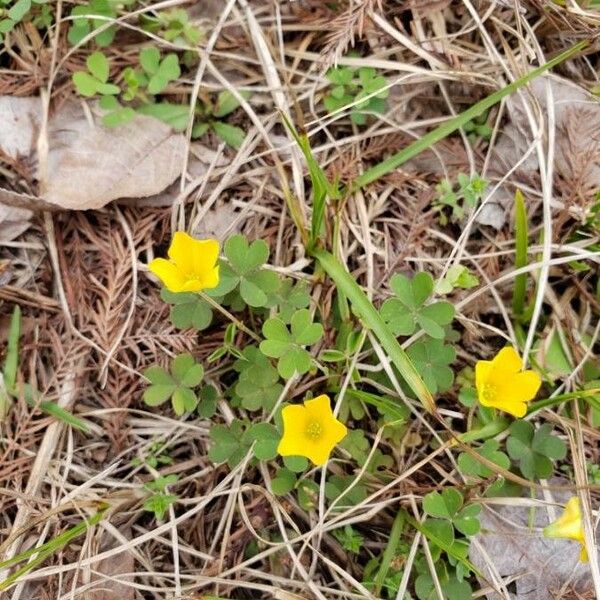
444 130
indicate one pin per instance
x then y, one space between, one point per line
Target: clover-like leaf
408 308
467 520
245 270
443 505
229 444
288 345
266 439
84 22
534 450
288 298
431 359
188 310
258 385
185 374
490 450
283 482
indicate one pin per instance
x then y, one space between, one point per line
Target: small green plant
208 118
154 456
174 26
349 538
288 345
258 384
410 308
447 506
534 450
457 277
231 443
244 271
177 385
86 18
158 72
469 193
432 359
363 86
94 81
160 499
478 128
13 12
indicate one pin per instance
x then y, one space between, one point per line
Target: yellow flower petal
192 264
293 442
311 430
319 407
168 273
501 384
181 251
211 279
569 526
204 256
507 361
524 386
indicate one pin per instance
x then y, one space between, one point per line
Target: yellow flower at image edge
192 264
310 430
569 526
501 383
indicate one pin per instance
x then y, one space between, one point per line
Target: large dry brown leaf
19 125
87 165
90 165
541 566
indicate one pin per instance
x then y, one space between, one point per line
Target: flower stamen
314 430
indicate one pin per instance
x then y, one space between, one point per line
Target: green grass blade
447 549
346 284
521 236
439 133
390 552
321 186
31 396
11 362
46 550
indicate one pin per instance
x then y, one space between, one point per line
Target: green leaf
490 450
157 375
308 494
467 521
225 443
284 482
230 134
180 366
439 531
159 504
297 464
443 505
431 358
97 65
304 331
340 75
85 84
118 117
174 115
365 308
227 103
267 439
19 10
150 60
158 394
200 129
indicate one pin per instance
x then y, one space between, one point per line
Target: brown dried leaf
19 123
90 165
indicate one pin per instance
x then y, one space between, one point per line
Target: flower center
489 392
314 430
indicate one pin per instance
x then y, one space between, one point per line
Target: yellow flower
569 526
501 383
310 430
192 264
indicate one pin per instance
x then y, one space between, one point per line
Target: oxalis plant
277 337
296 401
